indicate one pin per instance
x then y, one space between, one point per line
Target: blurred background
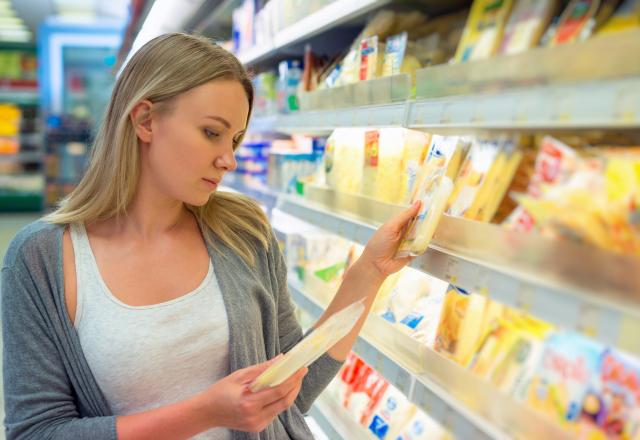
520 316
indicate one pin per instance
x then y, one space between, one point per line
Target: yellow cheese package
383 154
526 25
433 189
344 159
626 17
576 22
484 29
307 351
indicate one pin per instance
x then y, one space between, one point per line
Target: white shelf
581 288
336 422
330 16
447 392
611 104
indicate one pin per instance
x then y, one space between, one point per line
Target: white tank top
150 356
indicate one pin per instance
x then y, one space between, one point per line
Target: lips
212 181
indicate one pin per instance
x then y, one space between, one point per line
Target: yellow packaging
526 25
626 17
458 334
10 116
384 150
484 29
344 159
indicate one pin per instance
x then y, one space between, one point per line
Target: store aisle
9 225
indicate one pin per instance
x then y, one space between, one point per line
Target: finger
250 373
283 404
398 222
269 395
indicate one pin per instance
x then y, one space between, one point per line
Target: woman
145 305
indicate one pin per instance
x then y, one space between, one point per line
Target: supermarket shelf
264 195
330 16
335 421
22 157
576 287
447 392
21 96
607 104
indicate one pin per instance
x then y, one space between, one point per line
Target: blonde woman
147 302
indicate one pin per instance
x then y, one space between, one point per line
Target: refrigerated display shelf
22 157
447 392
328 17
336 422
576 287
267 197
613 104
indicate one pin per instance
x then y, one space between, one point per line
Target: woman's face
193 143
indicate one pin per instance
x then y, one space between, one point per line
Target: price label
564 107
525 295
482 282
445 114
451 271
626 107
588 320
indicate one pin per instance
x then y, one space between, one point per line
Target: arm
362 280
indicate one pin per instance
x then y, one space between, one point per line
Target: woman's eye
210 134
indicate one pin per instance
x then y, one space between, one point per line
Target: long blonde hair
162 69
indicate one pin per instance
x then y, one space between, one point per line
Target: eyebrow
219 119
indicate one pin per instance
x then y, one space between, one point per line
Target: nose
226 161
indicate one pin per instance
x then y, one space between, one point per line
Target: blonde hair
162 69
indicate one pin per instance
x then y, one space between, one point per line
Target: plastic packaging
307 351
394 53
368 58
576 23
384 151
526 25
344 159
625 18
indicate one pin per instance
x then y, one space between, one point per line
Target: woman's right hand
232 405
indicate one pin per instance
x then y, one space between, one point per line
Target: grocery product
10 117
417 145
391 414
526 24
425 314
484 29
612 405
289 77
422 427
368 58
409 288
394 54
462 314
344 159
576 23
327 334
626 17
567 369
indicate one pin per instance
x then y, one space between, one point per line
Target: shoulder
33 243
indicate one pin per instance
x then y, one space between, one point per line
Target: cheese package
613 404
410 287
390 415
567 369
426 313
384 152
626 17
462 316
417 145
526 25
336 327
368 58
423 427
576 22
344 159
394 54
484 29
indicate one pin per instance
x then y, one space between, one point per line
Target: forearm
362 280
180 420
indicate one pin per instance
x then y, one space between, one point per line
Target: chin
198 201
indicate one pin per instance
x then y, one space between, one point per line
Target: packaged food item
473 175
10 117
433 192
391 413
410 287
462 316
422 427
613 405
368 58
417 145
310 348
576 22
567 370
394 53
384 151
626 17
426 313
526 24
484 29
344 159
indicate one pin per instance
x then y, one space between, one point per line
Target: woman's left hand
382 246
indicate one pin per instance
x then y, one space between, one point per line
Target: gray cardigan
49 389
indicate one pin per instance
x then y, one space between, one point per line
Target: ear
141 120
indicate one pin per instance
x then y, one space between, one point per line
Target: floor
9 225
